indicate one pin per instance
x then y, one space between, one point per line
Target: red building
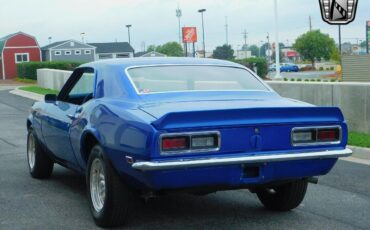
17 48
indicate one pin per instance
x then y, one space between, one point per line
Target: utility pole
310 23
277 45
340 39
227 31
245 37
179 15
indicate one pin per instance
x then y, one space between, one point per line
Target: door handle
76 115
73 116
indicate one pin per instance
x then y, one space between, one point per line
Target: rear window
157 79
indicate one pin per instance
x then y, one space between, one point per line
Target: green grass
25 80
359 139
39 90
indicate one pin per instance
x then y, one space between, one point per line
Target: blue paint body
127 124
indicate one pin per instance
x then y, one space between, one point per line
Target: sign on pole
189 34
367 36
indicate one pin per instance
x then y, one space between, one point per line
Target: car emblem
338 12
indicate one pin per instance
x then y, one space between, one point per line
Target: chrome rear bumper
214 161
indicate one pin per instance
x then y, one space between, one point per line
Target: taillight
175 143
316 136
328 135
190 142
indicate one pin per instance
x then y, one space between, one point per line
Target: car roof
130 62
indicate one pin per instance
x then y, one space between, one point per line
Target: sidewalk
11 83
360 155
26 94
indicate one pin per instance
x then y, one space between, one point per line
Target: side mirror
50 98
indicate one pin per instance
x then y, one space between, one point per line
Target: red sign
292 54
189 34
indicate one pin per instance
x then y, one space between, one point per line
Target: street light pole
277 45
227 31
178 15
268 48
129 36
204 43
83 37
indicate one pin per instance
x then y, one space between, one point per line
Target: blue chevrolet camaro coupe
145 127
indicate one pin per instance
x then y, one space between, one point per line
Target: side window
84 86
79 88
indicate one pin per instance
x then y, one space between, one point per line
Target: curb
26 94
361 153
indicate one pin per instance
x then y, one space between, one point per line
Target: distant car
289 68
284 67
272 68
151 126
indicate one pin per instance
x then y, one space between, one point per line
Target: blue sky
154 21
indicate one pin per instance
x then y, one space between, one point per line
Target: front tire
109 198
284 197
39 164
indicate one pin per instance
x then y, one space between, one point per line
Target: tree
171 49
224 52
254 50
363 44
314 45
151 48
263 50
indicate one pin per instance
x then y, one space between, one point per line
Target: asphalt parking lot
341 200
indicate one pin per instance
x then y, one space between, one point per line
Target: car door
65 111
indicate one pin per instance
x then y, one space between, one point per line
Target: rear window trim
268 89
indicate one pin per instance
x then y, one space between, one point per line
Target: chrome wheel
31 151
97 185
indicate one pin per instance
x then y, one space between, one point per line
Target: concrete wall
51 78
352 98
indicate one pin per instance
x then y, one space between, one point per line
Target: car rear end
244 147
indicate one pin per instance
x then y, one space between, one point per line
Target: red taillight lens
328 135
175 143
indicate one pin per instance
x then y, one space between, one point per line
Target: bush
28 70
332 68
306 79
307 68
260 63
292 79
285 79
321 68
299 79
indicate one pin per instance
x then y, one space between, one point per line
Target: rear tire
39 164
284 197
109 199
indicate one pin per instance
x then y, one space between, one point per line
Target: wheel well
29 124
89 142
